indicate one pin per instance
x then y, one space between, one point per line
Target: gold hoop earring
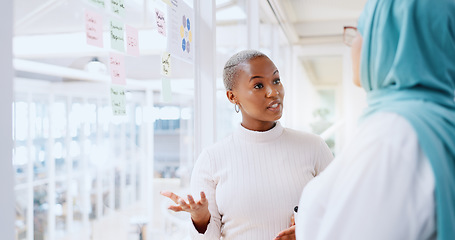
236 108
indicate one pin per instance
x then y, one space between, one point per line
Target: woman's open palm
199 210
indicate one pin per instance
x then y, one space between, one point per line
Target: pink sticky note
117 68
132 41
94 28
160 22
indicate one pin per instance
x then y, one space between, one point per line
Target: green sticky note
118 100
166 91
118 7
99 3
117 30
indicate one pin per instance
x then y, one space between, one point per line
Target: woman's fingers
182 205
191 201
203 198
174 197
175 208
286 234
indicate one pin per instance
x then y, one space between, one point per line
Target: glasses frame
346 40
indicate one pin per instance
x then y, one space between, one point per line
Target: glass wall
231 37
79 168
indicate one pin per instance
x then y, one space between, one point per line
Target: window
77 165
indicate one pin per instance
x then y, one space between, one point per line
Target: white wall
6 99
299 96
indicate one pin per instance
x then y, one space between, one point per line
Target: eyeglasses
349 34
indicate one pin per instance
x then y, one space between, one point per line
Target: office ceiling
316 21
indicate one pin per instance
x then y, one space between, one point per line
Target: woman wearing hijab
396 178
250 182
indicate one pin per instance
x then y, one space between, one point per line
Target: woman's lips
274 107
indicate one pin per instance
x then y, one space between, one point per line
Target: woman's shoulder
220 145
383 135
301 136
387 126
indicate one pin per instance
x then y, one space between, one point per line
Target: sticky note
117 68
132 41
99 3
166 91
168 2
118 7
117 35
166 64
118 100
160 22
180 25
94 28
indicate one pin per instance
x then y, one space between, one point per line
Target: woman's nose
271 92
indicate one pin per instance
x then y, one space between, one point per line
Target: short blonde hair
230 71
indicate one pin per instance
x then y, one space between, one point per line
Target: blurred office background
82 173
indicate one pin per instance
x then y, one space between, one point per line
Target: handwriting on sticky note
94 28
132 41
99 3
166 64
117 35
118 7
118 100
160 22
117 68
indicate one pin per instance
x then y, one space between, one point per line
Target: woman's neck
259 127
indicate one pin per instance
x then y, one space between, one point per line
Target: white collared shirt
380 187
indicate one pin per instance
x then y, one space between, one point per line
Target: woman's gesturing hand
286 234
199 210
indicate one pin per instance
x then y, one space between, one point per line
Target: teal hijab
408 67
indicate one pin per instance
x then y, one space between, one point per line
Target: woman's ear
231 97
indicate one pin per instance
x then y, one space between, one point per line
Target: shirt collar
257 136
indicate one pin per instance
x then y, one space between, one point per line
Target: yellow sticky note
182 31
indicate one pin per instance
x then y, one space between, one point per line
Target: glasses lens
349 35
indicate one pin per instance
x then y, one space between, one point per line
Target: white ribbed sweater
253 180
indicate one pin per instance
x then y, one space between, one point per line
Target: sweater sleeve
323 157
202 180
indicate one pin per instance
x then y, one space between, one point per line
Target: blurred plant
320 123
